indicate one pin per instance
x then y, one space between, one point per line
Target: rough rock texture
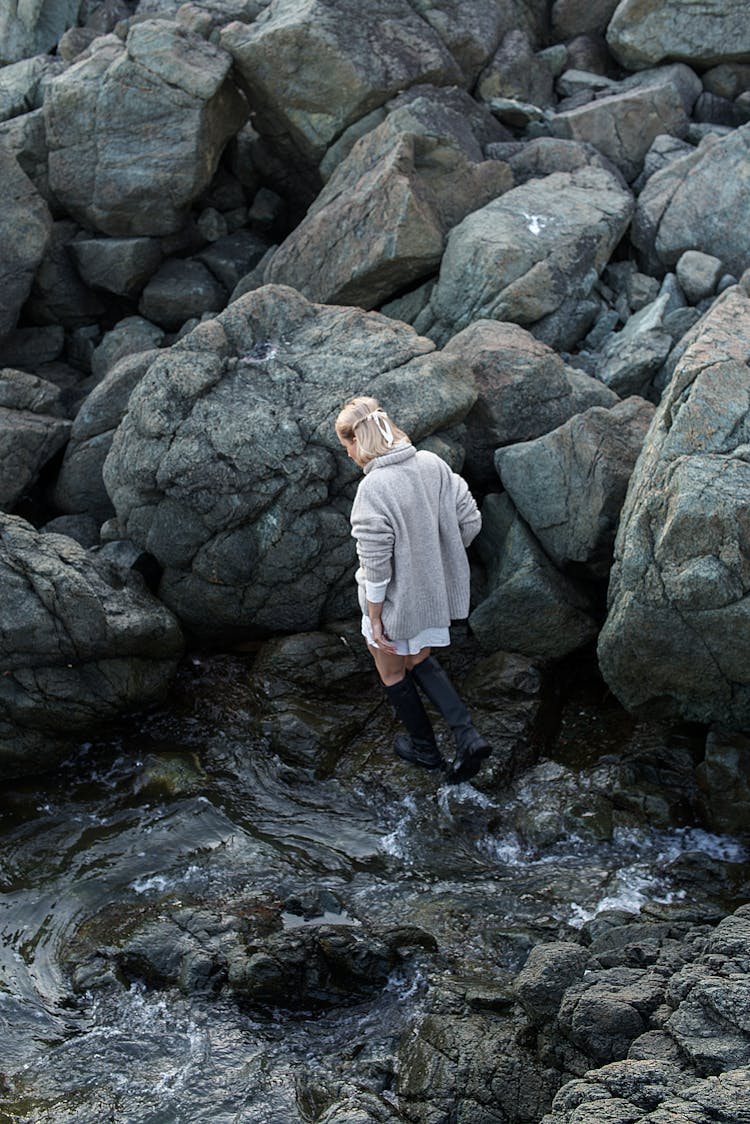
79 487
569 485
532 257
79 643
25 231
687 206
529 607
227 467
642 33
524 390
629 360
676 632
34 26
724 777
119 265
365 54
623 125
180 291
135 130
380 222
33 427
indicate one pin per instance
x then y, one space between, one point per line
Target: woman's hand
379 636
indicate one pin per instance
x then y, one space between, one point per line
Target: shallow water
188 806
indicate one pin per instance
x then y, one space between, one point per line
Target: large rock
181 290
529 607
643 33
380 222
33 427
58 296
524 390
22 84
570 484
79 488
227 467
136 129
532 257
34 27
623 125
24 137
313 69
25 231
678 632
685 206
80 643
117 265
629 359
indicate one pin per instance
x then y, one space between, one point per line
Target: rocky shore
524 227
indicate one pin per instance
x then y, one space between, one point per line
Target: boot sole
470 766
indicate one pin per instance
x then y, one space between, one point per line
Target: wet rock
677 594
79 487
254 535
380 222
179 291
698 275
529 607
288 681
546 975
35 29
25 231
81 643
570 484
724 776
682 207
524 390
642 34
118 265
623 124
33 427
531 257
136 129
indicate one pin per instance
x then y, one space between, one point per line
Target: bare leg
392 669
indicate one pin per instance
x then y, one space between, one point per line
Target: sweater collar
400 453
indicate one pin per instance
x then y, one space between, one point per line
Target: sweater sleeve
374 536
467 512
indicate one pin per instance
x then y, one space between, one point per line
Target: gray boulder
118 265
570 484
58 295
380 222
531 257
685 205
549 971
33 427
34 28
676 637
25 231
698 275
524 390
24 137
541 156
227 468
180 290
360 55
724 779
233 256
79 487
517 72
643 33
81 643
22 84
136 129
629 359
622 125
130 336
581 17
529 607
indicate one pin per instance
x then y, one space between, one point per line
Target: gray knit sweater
413 518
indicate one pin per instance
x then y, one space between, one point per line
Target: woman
412 519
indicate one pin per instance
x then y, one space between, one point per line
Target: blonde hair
365 421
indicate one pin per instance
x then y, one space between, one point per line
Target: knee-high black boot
419 747
471 747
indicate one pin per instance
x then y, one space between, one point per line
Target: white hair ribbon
381 421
